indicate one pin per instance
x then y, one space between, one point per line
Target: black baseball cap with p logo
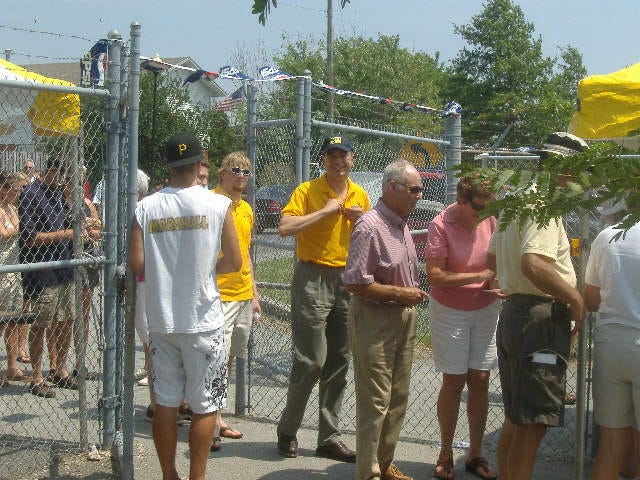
341 142
183 149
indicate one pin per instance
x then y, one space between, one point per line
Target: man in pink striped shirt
382 275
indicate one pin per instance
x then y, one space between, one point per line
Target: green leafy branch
262 8
575 183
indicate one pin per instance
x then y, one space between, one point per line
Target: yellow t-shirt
326 242
238 286
509 246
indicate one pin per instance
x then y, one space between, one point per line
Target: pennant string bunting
269 74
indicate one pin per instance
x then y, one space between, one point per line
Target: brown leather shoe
393 473
337 451
287 446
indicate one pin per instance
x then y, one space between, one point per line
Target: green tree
378 67
174 113
502 78
263 7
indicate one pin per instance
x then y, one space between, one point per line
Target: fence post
122 146
133 101
306 127
80 344
452 133
242 400
299 129
109 399
581 386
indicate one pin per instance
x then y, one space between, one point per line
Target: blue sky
212 32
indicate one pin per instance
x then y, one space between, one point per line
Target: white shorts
463 339
237 321
191 366
616 376
141 315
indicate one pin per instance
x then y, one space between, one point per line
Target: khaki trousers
319 305
382 339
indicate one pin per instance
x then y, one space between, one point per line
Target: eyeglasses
478 207
237 171
416 189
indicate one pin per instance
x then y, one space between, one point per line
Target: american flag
231 101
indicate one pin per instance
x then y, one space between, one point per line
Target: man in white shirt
611 289
177 236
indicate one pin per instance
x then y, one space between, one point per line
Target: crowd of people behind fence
499 297
38 307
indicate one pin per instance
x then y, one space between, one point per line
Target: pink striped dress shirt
381 250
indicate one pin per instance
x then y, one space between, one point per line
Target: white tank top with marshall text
181 230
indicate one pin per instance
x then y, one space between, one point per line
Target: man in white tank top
177 236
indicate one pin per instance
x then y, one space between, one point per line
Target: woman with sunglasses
463 317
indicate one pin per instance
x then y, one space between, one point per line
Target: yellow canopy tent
608 105
47 113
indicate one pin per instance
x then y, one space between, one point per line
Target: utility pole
330 58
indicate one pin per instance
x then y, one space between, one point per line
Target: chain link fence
277 146
52 154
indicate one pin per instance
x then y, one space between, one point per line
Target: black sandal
216 444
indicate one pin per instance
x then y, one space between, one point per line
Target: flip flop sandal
447 467
216 444
24 359
67 382
474 464
228 432
21 377
41 390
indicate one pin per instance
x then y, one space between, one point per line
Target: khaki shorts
533 340
616 376
237 326
54 304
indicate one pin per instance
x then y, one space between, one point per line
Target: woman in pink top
463 317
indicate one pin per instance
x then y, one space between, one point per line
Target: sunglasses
416 189
478 207
237 171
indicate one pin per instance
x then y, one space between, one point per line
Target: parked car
419 220
270 200
435 185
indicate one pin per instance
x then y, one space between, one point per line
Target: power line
53 34
286 4
28 55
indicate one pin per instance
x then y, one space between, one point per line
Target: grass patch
275 270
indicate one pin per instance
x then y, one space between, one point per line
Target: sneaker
144 381
148 414
140 374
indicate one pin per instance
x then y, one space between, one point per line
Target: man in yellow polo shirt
237 289
321 214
